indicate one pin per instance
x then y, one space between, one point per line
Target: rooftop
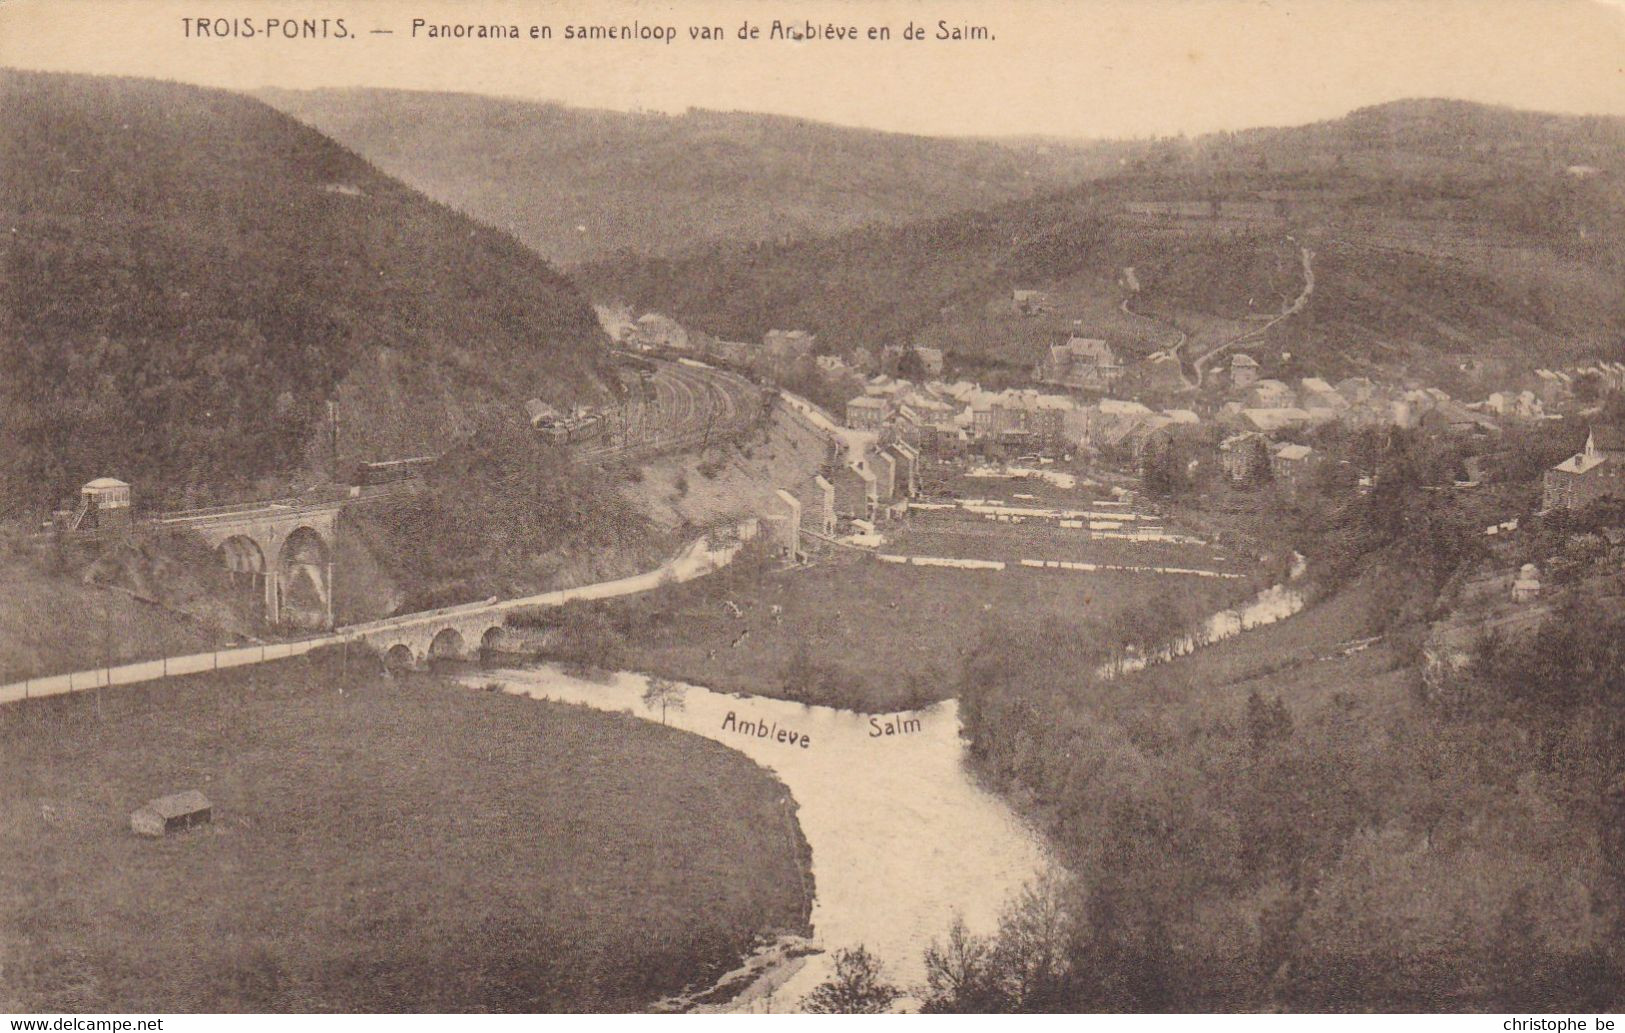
1580 463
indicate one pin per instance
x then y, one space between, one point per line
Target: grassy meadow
852 631
378 844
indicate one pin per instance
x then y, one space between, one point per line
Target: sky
1075 69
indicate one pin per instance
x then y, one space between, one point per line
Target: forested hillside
1440 231
1300 819
578 184
190 277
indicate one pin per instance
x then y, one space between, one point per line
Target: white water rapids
902 839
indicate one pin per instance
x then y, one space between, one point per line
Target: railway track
693 405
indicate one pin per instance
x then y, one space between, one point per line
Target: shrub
856 988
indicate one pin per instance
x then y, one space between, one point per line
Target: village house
907 424
1028 302
1047 419
1357 390
882 386
1108 422
961 391
1269 421
1148 437
867 412
1597 471
1243 370
1160 372
930 361
817 498
1291 465
781 523
1553 387
1612 375
1315 393
854 485
907 458
653 330
1526 587
832 364
884 467
1271 394
943 440
1082 363
1522 405
928 407
786 346
1456 419
1242 455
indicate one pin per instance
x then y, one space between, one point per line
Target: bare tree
664 693
959 975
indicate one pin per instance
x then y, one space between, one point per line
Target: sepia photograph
625 508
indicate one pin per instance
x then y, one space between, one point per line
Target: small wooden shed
173 813
1526 588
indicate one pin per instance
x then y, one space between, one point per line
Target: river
902 838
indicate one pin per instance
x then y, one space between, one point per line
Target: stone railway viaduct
283 550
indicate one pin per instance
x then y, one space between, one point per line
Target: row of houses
1556 386
941 416
950 418
861 479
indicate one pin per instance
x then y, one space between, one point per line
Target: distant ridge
1443 230
580 184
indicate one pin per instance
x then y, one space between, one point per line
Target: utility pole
710 414
107 648
333 433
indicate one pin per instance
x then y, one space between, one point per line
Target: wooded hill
190 276
580 184
1441 231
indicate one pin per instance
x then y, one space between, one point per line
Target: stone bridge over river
414 638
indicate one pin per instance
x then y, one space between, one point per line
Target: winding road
1133 284
1288 310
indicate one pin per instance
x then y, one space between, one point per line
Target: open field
58 623
988 540
872 636
1020 490
378 845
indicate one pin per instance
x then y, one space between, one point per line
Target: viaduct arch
283 551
